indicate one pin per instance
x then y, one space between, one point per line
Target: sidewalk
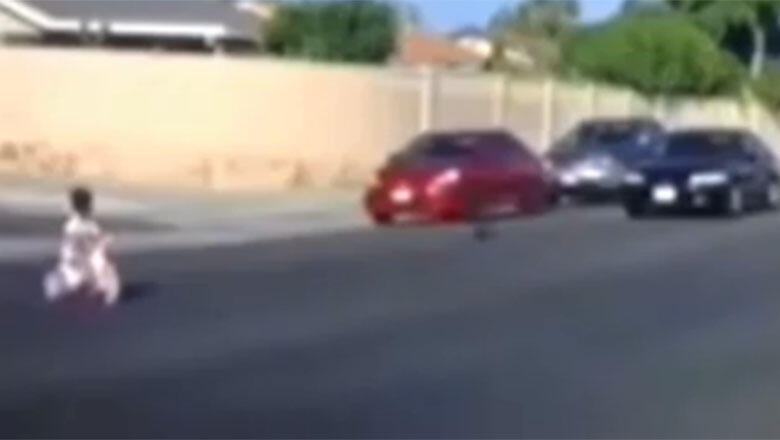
184 219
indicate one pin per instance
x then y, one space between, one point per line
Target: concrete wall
195 121
249 124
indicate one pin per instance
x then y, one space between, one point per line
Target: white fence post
658 109
629 103
548 96
754 116
500 102
591 91
428 101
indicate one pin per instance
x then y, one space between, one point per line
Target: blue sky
445 15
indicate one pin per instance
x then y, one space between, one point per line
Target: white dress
79 238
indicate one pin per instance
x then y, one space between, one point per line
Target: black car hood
563 158
683 166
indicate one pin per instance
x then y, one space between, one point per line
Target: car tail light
443 180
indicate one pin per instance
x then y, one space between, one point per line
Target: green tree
550 19
534 27
718 17
345 30
654 54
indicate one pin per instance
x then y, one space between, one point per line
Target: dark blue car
722 170
591 160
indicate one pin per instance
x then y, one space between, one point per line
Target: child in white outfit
80 255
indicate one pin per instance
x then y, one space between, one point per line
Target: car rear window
463 146
611 133
704 144
618 131
621 138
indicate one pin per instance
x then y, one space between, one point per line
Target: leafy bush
664 54
767 89
354 31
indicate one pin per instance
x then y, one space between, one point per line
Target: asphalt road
579 324
13 224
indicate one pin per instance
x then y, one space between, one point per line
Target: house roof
217 19
416 48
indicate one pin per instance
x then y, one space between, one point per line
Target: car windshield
611 133
436 148
625 139
445 150
703 144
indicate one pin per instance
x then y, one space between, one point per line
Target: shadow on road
138 291
702 216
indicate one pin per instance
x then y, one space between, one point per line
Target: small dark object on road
483 231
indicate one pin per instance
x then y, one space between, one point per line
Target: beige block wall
253 124
524 111
195 121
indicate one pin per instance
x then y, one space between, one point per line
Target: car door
765 162
491 169
759 170
524 178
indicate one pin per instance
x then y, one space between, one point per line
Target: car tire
734 203
772 196
382 218
554 199
525 205
636 210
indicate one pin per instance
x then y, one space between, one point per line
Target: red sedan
460 175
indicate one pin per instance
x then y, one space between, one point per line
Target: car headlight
634 178
444 179
708 178
601 162
596 167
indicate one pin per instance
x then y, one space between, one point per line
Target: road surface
578 324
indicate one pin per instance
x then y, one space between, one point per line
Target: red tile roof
416 48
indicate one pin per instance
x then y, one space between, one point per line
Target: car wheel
382 218
734 205
772 196
554 198
636 210
526 205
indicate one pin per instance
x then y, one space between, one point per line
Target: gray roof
239 24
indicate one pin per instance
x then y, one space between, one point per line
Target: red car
450 176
